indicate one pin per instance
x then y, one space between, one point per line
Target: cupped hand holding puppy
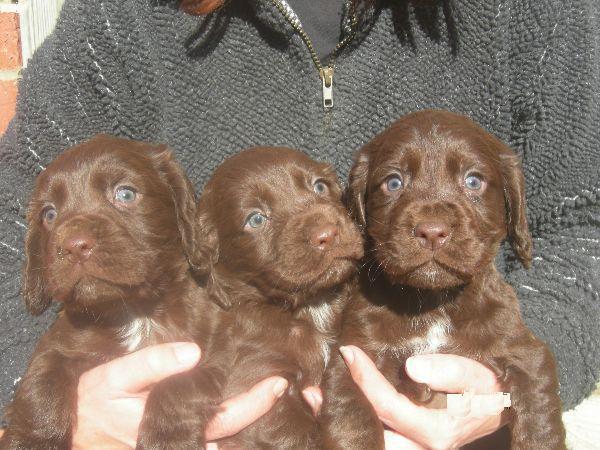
414 427
111 397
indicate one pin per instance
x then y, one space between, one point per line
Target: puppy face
437 194
275 220
109 221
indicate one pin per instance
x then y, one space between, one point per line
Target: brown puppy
110 232
282 252
436 195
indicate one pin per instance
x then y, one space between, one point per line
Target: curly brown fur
284 276
111 237
436 195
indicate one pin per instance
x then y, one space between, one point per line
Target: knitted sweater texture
528 71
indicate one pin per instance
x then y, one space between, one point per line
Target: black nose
78 247
432 235
323 236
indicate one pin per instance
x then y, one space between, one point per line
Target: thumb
314 397
452 373
139 370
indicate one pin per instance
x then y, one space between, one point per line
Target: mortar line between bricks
10 8
9 75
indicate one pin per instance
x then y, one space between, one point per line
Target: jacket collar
267 13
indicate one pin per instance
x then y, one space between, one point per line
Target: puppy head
273 218
436 194
110 220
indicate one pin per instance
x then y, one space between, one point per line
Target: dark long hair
200 7
203 7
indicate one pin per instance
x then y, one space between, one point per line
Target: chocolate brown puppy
111 237
282 253
436 195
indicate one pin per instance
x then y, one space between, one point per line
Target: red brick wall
8 99
10 63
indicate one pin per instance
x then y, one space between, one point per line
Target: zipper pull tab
327 79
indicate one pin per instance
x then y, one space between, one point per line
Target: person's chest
244 77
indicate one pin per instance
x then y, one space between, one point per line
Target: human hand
314 397
244 409
111 397
416 427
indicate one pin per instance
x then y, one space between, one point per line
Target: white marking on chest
322 318
136 332
437 336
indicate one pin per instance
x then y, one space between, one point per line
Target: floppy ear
208 239
356 193
34 294
184 199
207 248
514 197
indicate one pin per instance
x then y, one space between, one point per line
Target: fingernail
419 368
310 399
348 355
318 397
186 354
279 387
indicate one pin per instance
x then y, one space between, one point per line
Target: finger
452 373
395 441
428 427
470 429
393 408
139 370
240 411
314 397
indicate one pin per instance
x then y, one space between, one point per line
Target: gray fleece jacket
528 71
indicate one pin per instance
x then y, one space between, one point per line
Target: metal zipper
325 73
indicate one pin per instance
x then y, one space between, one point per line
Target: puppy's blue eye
473 182
49 214
320 187
394 183
125 194
256 220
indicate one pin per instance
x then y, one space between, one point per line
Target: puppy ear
207 247
184 199
217 290
514 197
356 194
34 294
208 251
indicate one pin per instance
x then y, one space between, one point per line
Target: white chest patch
325 351
322 317
139 330
437 336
